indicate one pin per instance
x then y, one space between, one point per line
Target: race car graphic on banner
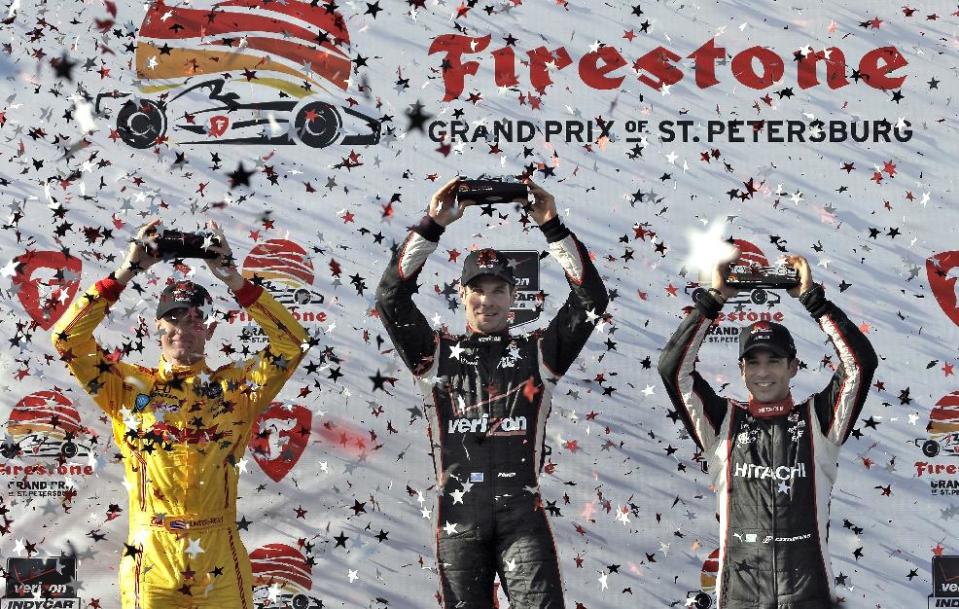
46 424
282 579
943 428
241 72
285 269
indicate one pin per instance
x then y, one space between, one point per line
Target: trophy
180 244
492 190
752 276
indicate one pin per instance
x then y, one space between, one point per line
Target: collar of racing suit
167 370
474 336
765 410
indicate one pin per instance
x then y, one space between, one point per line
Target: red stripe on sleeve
248 294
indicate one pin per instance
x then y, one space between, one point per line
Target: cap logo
487 259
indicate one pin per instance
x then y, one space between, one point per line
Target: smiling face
487 301
767 374
183 335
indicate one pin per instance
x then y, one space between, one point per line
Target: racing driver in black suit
487 397
773 459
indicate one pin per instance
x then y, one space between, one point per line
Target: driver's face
183 335
767 375
487 301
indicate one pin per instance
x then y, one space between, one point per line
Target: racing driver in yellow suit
182 429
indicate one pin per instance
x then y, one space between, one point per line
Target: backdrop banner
315 134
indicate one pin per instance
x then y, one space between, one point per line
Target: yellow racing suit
182 432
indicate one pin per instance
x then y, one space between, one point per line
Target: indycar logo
188 55
943 272
945 581
506 426
280 436
529 298
46 283
41 583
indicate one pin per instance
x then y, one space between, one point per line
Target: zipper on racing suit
775 495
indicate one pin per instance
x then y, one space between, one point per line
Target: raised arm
700 408
109 382
269 369
838 405
412 335
106 380
698 405
266 372
568 331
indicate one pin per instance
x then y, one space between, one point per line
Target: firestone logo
46 283
42 434
934 469
703 598
281 434
45 424
947 480
606 68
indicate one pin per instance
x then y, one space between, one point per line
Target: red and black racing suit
773 476
487 398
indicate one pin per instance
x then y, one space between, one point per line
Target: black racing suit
773 475
487 398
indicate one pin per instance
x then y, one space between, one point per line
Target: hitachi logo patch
783 472
490 427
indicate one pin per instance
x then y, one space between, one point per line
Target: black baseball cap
766 335
183 294
487 261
